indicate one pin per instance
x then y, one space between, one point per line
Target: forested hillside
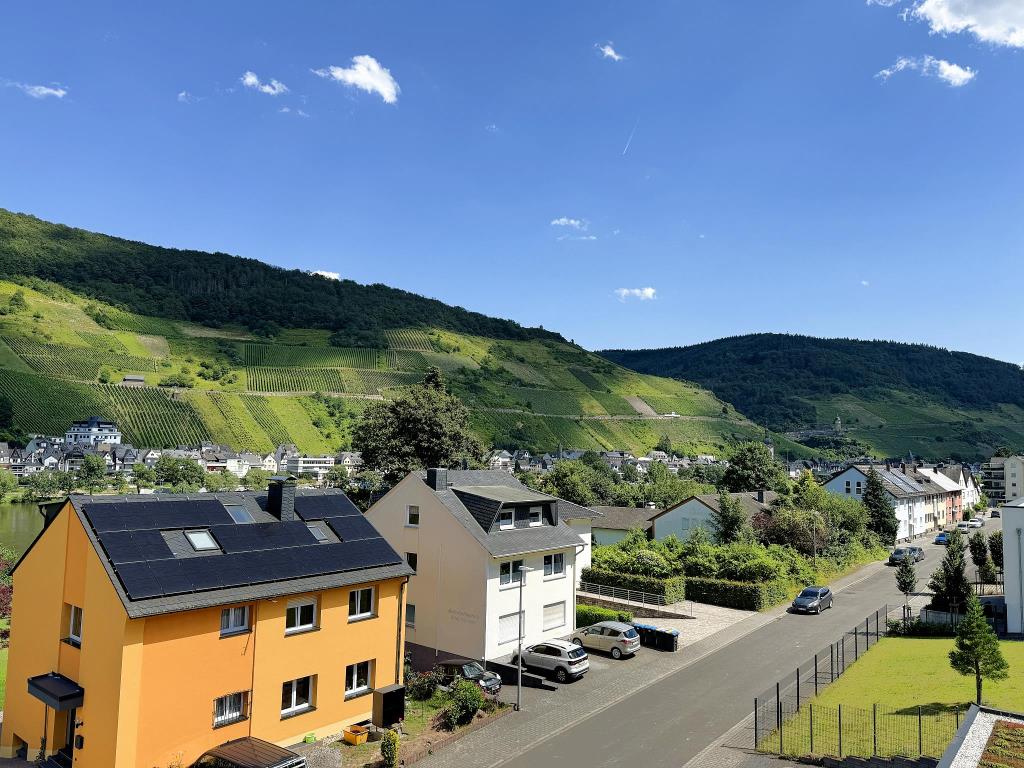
895 396
215 288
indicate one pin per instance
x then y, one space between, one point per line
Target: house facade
615 523
92 431
696 512
1012 515
148 629
908 498
467 533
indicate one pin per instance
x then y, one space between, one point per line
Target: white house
1012 515
318 466
695 512
615 522
92 431
907 496
467 533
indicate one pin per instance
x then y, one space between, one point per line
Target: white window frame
511 517
410 615
413 560
232 715
849 486
233 627
352 689
296 708
514 575
409 515
544 616
539 513
361 614
549 565
75 637
200 533
298 605
241 512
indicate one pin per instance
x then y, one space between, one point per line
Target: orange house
148 629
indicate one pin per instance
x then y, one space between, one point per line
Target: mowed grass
898 676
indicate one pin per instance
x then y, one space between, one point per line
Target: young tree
979 548
337 476
753 468
424 427
949 585
42 485
256 479
906 578
881 513
976 650
8 482
143 476
729 521
179 472
93 473
664 444
995 547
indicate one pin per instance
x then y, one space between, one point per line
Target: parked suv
470 670
559 658
614 637
248 752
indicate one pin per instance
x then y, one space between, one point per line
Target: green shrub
749 563
591 614
421 687
464 699
673 589
918 628
736 594
389 749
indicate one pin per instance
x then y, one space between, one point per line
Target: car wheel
616 654
515 660
561 675
577 641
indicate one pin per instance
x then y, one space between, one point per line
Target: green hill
93 309
893 397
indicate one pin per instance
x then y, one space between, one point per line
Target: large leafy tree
426 426
93 473
752 467
979 548
8 482
179 473
729 521
949 585
881 512
995 547
976 650
144 476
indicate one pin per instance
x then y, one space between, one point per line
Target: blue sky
627 177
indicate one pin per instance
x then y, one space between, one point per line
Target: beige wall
682 519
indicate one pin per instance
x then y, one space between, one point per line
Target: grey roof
899 485
625 518
141 544
567 510
748 500
516 541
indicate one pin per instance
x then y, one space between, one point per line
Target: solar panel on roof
258 536
135 546
326 505
352 528
139 581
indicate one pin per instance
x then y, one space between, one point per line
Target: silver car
614 637
563 660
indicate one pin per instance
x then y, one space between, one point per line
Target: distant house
615 522
92 431
500 460
909 498
133 380
695 512
318 466
352 461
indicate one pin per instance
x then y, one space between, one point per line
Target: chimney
903 468
281 498
437 479
760 496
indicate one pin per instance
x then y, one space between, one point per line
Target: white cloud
325 273
952 74
290 111
273 88
367 74
565 221
1000 22
865 283
38 91
608 51
492 128
643 294
577 237
185 97
884 3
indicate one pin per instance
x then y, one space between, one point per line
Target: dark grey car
471 670
813 600
249 752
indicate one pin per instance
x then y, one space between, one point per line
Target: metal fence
618 593
787 722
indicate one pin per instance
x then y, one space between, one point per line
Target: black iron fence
788 722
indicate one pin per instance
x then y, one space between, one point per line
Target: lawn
898 676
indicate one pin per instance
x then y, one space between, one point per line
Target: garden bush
464 699
736 594
918 628
591 614
422 686
673 589
389 749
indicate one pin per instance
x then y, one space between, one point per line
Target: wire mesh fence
788 722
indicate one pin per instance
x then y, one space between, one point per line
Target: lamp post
519 656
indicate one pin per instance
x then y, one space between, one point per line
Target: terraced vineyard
365 382
411 339
151 417
265 416
280 356
295 380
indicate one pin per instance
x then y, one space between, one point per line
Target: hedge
591 614
673 589
737 594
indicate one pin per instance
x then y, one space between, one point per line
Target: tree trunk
977 680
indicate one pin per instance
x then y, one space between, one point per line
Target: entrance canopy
56 691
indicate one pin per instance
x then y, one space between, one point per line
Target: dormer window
239 513
201 540
505 519
534 516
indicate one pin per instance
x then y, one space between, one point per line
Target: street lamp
519 656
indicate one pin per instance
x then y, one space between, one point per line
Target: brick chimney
281 498
437 478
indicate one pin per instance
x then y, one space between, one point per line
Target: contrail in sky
629 141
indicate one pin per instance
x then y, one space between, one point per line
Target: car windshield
576 653
809 593
630 633
899 551
472 670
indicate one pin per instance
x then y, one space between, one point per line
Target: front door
65 754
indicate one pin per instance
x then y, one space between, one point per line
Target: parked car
918 553
942 538
963 526
994 513
614 637
813 600
976 522
471 670
559 658
248 752
900 553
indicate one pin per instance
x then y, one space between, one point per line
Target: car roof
248 752
619 625
459 661
565 645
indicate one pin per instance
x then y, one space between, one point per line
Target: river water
19 525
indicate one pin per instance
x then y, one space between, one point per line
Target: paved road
667 723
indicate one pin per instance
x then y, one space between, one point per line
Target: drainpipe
399 656
253 614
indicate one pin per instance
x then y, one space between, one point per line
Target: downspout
399 656
252 666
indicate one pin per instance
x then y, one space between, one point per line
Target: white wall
538 591
1012 520
583 527
603 536
682 519
1013 471
908 511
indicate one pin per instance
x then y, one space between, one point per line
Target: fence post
842 667
957 711
867 633
876 624
778 714
832 662
810 709
840 755
874 730
755 724
815 676
798 689
920 734
856 644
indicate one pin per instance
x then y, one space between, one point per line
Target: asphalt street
667 723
